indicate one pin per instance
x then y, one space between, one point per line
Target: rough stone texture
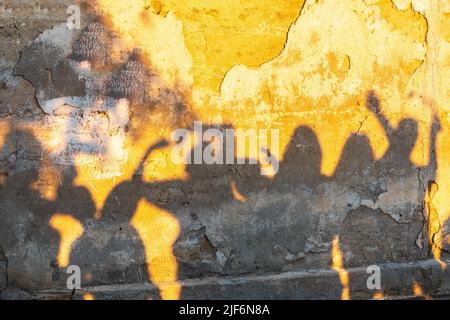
83 113
94 45
131 82
319 284
3 270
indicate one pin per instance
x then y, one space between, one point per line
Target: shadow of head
302 158
402 138
403 141
407 132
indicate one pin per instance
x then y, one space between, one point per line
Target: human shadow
216 197
207 186
375 205
387 222
226 211
232 220
110 250
121 256
22 199
303 153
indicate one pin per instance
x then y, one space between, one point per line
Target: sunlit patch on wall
88 297
236 194
337 264
157 166
418 291
158 231
434 223
69 229
379 296
4 129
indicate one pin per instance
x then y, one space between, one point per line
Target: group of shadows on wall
301 166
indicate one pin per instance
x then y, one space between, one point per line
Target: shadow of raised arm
373 104
140 169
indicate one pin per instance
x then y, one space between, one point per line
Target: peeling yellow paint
325 86
220 34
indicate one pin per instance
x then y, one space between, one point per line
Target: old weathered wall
356 90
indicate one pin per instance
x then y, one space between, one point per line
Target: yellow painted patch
222 33
408 22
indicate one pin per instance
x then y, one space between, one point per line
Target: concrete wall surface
121 155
